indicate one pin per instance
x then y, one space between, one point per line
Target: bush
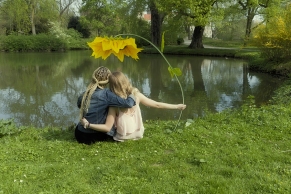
74 23
274 39
8 127
180 41
40 42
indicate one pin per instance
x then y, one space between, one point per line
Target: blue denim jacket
100 101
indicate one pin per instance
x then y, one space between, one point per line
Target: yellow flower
104 47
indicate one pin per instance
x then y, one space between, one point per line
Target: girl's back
128 123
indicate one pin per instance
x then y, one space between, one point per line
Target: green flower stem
167 63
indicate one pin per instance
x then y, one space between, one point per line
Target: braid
99 79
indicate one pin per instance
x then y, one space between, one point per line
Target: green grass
223 43
243 53
241 151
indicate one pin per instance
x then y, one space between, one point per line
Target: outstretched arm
151 103
102 127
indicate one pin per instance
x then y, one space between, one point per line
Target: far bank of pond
250 55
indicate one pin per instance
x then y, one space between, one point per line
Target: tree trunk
33 28
250 17
32 21
197 37
156 25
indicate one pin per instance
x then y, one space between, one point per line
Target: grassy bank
212 52
240 151
281 68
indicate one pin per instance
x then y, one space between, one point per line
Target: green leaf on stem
174 71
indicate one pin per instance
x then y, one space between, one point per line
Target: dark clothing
97 112
90 138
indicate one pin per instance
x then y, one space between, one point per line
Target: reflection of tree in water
246 85
223 83
261 86
198 96
156 78
85 64
155 84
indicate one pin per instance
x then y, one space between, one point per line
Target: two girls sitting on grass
128 121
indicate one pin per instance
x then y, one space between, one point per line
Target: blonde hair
120 85
99 79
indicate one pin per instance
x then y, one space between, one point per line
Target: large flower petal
118 45
106 45
119 55
130 41
131 51
106 54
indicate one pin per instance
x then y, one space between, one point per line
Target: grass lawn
234 52
241 151
225 43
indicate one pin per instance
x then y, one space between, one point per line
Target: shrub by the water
274 39
8 127
40 42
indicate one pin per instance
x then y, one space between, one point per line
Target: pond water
41 89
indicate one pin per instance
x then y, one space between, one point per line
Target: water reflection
41 89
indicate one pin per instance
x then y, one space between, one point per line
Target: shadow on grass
196 161
67 134
58 134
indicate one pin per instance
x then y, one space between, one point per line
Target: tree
102 17
64 5
14 13
232 25
197 10
274 37
131 20
157 19
64 11
251 8
75 23
37 9
22 16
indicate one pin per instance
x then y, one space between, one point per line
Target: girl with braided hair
94 103
128 121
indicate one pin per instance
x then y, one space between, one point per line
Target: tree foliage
14 15
23 16
232 25
252 8
196 9
100 16
131 16
274 37
75 23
